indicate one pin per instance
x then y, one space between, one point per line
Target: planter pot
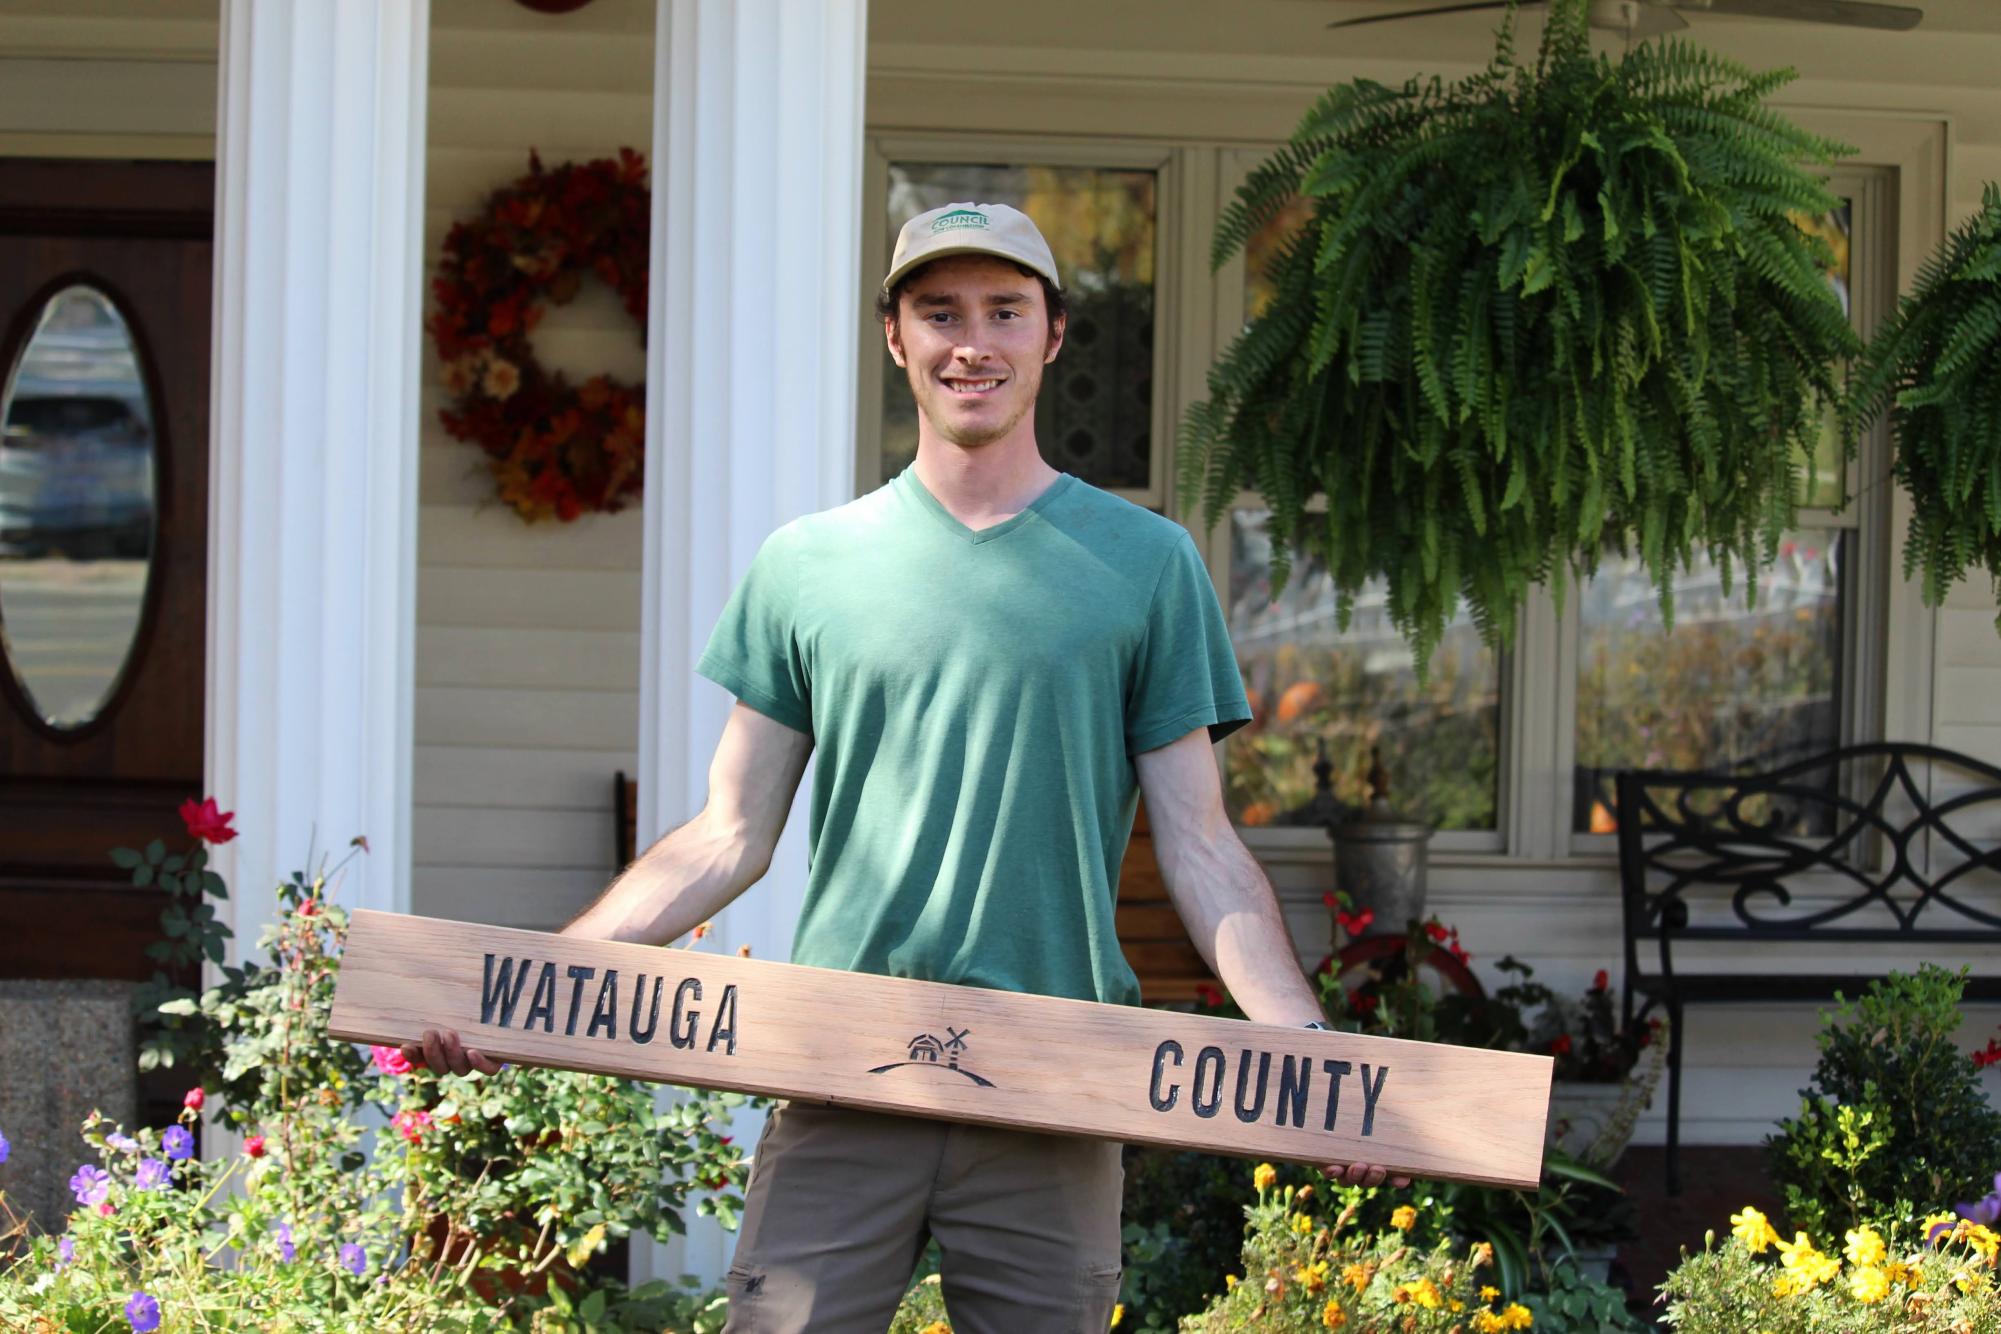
1379 862
1579 1115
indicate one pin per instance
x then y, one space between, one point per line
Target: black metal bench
1848 848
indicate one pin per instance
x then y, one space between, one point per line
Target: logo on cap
958 219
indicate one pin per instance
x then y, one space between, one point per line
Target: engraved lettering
503 994
1173 1093
543 1002
1335 1071
1210 1059
1256 1109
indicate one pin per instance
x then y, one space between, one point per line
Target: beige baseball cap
971 229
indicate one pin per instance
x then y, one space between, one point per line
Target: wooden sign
957 1053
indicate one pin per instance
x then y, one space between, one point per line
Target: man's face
973 332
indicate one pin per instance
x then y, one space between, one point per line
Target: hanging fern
1534 312
1935 366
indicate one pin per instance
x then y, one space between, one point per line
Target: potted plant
1545 308
1602 1083
1933 366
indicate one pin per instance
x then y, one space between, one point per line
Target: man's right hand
441 1050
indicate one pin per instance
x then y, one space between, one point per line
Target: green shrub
1896 1119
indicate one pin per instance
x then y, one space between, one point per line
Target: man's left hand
1362 1174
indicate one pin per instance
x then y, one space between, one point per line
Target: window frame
1198 312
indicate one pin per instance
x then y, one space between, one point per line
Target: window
1735 682
1095 415
1503 752
1353 692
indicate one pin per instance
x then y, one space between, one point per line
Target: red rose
1209 995
1361 1002
192 1099
1436 930
253 1147
1560 1047
206 822
1331 901
310 908
1601 981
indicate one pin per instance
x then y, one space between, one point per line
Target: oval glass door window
77 506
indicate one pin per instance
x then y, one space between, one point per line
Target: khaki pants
841 1202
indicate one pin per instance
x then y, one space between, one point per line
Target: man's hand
443 1053
1362 1174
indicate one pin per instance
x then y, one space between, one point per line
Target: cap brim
946 252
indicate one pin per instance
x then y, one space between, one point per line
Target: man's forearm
1232 915
681 882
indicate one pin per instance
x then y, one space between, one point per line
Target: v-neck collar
930 504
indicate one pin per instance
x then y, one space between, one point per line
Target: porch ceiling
1959 41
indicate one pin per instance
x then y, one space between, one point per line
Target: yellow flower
1933 1220
1967 1280
1118 1314
1517 1316
936 1327
1229 1281
1312 1277
1865 1246
1899 1272
1301 1224
1808 1266
1869 1284
1785 1285
1264 1177
1404 1219
1421 1292
1332 1316
1358 1276
1456 1305
1488 1292
1487 1322
1753 1229
1483 1254
1981 1238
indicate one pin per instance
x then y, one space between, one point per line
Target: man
989 656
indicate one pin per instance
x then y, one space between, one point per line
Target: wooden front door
104 340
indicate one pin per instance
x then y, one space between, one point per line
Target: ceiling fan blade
1419 13
1854 13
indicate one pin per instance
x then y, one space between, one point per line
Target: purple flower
5 1148
1983 1211
153 1174
286 1251
143 1312
122 1143
91 1184
65 1252
353 1259
177 1143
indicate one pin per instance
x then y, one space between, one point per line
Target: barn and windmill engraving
927 1050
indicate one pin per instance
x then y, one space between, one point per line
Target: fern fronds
1534 311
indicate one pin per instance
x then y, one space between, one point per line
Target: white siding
527 635
108 78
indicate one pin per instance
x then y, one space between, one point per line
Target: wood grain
957 1053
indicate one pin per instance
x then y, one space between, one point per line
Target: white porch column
756 303
313 477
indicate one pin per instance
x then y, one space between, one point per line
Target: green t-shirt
975 700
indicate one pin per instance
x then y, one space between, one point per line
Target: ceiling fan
1648 18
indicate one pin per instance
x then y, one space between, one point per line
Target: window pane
1729 686
1095 415
1354 689
1822 483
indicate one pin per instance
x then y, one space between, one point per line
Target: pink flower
192 1099
253 1147
390 1060
206 822
410 1124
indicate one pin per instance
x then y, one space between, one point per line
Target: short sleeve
753 652
1186 674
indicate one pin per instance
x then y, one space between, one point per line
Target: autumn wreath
554 448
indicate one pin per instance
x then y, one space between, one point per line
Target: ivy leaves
1535 313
